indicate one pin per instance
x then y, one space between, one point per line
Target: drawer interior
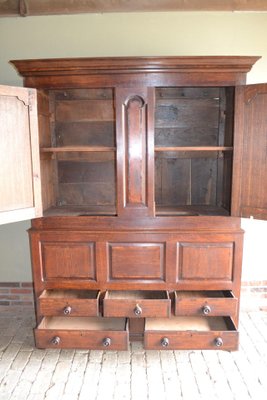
137 295
81 323
204 294
69 294
189 324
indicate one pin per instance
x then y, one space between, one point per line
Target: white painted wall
176 33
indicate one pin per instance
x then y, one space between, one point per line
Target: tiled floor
32 374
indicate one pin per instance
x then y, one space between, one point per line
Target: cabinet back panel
187 117
186 181
83 183
193 117
84 94
96 133
84 117
84 110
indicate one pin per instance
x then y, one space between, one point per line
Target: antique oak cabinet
146 165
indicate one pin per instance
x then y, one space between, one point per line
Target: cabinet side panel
48 164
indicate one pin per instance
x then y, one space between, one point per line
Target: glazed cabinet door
249 195
19 156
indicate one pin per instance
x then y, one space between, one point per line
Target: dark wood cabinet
147 165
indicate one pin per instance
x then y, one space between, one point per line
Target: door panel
249 195
19 157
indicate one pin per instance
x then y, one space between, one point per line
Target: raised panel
206 261
137 261
135 159
249 195
20 188
68 260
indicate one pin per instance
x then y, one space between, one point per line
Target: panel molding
57 7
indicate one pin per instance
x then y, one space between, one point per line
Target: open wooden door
249 191
20 187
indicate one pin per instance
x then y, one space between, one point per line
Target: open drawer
208 303
83 333
83 303
136 303
186 333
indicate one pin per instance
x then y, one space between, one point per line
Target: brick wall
254 293
16 294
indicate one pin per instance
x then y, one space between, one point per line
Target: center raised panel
137 261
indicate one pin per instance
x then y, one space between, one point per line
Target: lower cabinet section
190 333
98 289
82 333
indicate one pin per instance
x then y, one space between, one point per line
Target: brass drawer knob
106 342
67 310
218 342
138 310
55 340
206 310
165 342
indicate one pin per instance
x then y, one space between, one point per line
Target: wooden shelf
86 149
190 211
194 148
82 211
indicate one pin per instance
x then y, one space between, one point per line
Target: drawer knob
106 342
67 310
218 342
55 340
165 342
138 310
206 310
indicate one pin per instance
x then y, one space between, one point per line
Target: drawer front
136 304
69 303
76 339
164 339
81 338
205 303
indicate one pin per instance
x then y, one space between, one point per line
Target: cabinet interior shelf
194 148
70 149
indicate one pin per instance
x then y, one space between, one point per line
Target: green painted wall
115 34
